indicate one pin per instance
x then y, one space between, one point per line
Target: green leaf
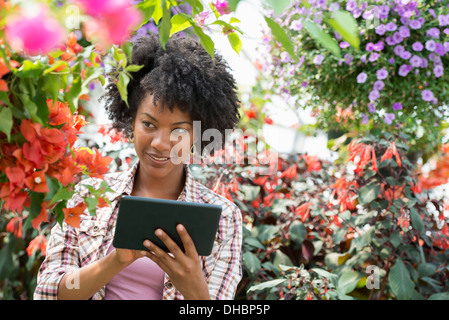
233 4
266 285
417 222
158 11
62 194
165 27
30 69
369 193
281 36
146 8
281 258
6 121
57 65
251 263
179 23
399 281
235 42
440 296
297 232
278 5
205 40
91 205
122 86
133 68
344 23
348 281
196 5
322 38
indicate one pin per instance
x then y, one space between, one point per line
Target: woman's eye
147 124
180 130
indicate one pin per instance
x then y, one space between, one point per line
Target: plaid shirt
72 248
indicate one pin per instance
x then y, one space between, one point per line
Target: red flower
37 182
42 215
72 215
303 211
268 120
390 152
15 226
95 164
38 243
290 172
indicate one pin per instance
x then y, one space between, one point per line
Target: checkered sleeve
61 257
227 272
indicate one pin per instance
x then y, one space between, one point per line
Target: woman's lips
158 159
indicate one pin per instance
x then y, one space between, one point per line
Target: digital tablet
139 217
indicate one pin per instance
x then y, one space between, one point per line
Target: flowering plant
396 82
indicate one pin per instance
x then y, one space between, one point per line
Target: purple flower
446 31
397 37
406 55
417 46
374 95
427 95
379 46
404 70
370 46
344 44
390 41
378 85
371 107
442 19
318 59
365 119
415 61
404 31
351 5
397 106
415 25
348 58
373 57
438 71
296 25
285 57
361 78
433 32
391 60
389 117
398 50
439 49
391 26
430 45
381 29
382 74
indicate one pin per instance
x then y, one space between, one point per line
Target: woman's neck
168 188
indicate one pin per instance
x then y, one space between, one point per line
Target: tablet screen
138 218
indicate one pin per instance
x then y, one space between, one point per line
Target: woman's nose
161 142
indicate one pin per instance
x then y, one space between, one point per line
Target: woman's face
162 139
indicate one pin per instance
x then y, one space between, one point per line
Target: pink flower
201 18
222 6
112 23
97 8
34 31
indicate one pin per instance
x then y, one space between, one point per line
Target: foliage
396 82
317 230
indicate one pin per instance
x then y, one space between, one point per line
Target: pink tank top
141 280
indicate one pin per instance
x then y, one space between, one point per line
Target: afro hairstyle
182 75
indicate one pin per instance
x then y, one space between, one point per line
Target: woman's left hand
183 268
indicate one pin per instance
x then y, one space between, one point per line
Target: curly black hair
182 75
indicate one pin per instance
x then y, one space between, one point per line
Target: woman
174 88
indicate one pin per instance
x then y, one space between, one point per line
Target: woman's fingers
187 241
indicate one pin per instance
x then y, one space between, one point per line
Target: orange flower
42 215
390 152
15 226
303 211
5 70
342 188
72 215
14 198
366 154
37 182
38 243
290 172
